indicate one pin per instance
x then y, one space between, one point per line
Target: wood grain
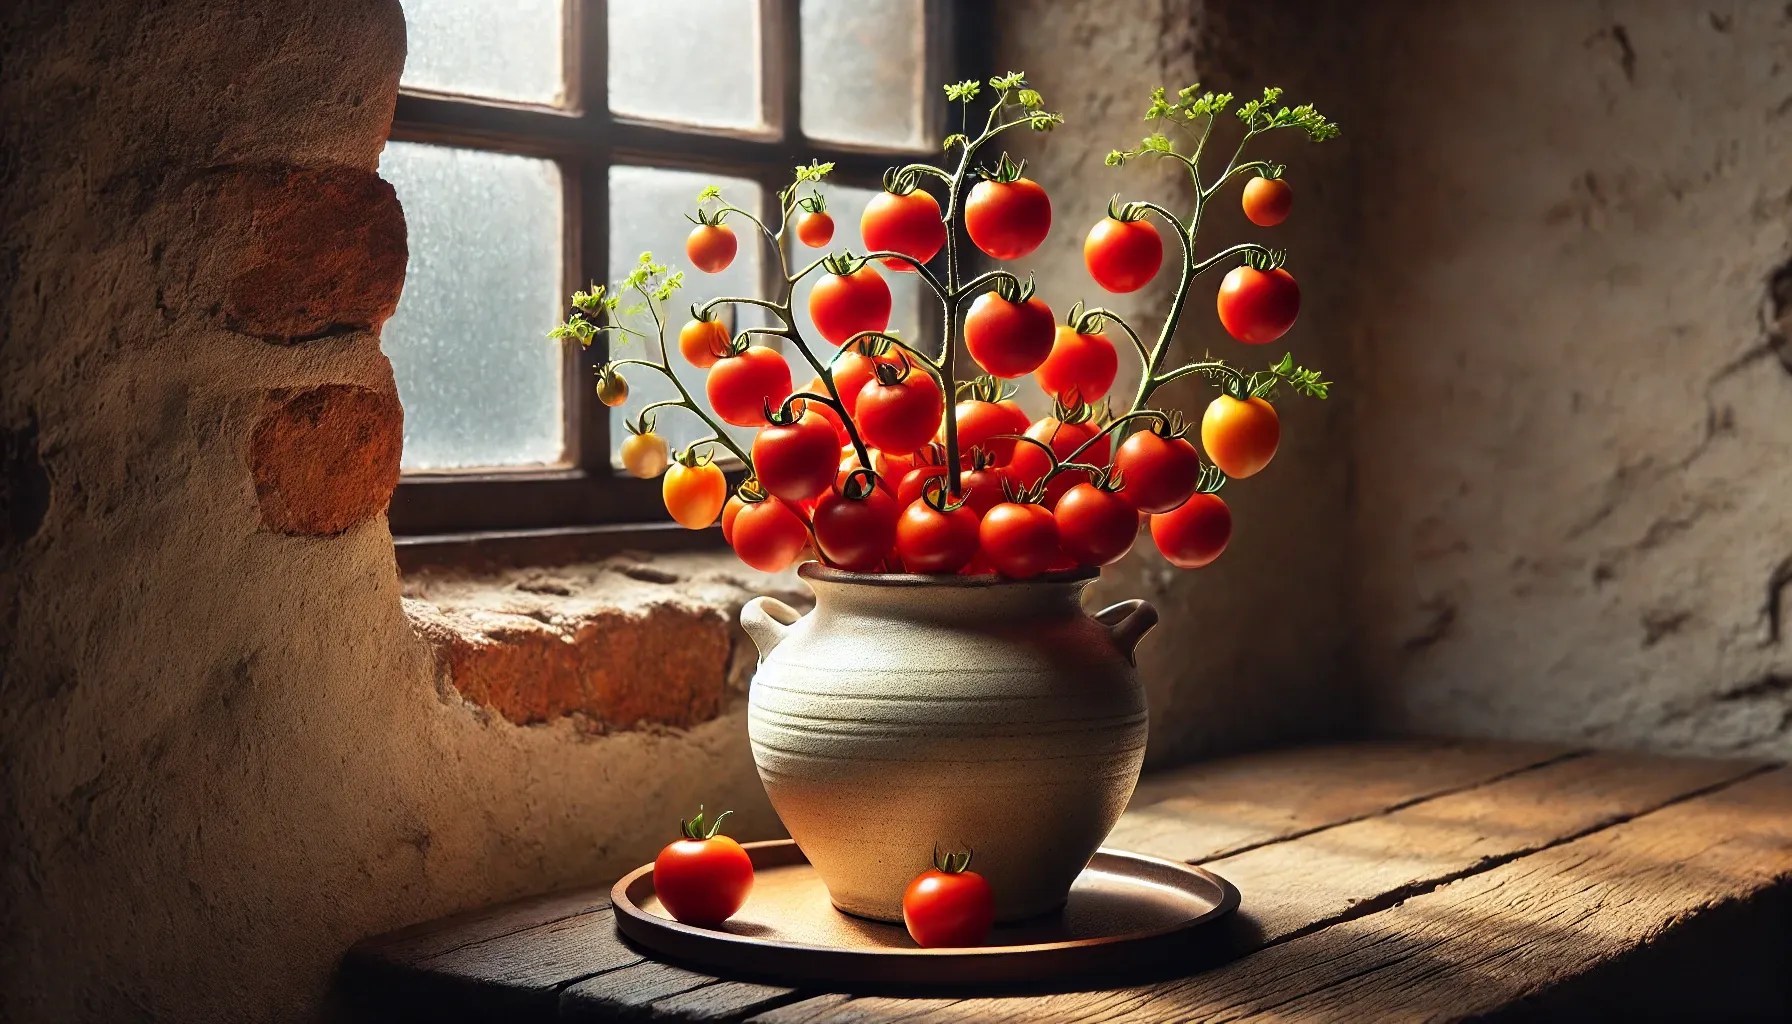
1211 810
432 938
1477 944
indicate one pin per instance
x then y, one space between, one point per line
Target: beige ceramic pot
909 711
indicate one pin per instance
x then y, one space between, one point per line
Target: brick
326 252
327 458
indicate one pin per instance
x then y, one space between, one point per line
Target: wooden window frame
587 500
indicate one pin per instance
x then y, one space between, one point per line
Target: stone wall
1573 429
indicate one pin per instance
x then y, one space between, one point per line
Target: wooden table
1424 879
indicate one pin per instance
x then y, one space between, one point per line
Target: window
539 145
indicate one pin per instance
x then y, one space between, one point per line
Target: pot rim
813 570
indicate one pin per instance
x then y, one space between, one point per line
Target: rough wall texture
1253 648
1574 430
225 753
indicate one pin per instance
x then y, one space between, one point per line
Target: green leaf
963 92
1011 80
815 171
709 192
1156 143
1030 99
1114 158
1044 122
954 139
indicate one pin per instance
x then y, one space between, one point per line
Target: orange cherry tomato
1240 437
710 247
1267 201
704 878
730 512
702 342
815 229
694 494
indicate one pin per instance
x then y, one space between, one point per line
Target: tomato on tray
950 905
704 878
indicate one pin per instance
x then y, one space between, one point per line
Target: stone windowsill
634 641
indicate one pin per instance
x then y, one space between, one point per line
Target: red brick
327 458
326 253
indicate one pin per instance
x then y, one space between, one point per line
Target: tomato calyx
859 484
708 218
951 862
696 828
751 492
1126 213
691 458
891 374
1005 172
1273 172
897 182
642 424
844 264
1266 260
812 203
934 493
1079 412
1084 321
1012 290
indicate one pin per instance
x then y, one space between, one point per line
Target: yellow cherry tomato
645 455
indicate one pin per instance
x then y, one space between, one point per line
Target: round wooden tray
1125 910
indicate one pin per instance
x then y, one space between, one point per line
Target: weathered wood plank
1478 944
628 992
1360 867
431 938
1210 810
539 959
725 1000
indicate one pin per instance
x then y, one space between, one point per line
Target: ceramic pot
909 711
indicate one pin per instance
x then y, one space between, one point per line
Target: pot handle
1127 623
767 620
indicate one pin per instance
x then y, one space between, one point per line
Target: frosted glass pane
507 50
695 61
864 71
479 378
647 214
906 290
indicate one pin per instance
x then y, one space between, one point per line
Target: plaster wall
1573 429
225 754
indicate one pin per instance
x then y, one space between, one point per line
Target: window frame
588 500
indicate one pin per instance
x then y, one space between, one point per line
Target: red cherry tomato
1123 255
815 229
880 465
842 305
855 533
1193 534
1007 219
1095 527
1081 367
852 370
914 482
1267 201
731 512
769 535
1020 541
983 489
909 224
702 342
704 878
1240 437
711 247
902 415
826 412
1030 464
1009 339
932 541
979 425
949 908
741 385
1257 307
797 461
1157 473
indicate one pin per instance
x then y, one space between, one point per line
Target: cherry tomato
909 224
1029 464
1081 367
826 411
711 247
694 494
842 305
1020 541
704 878
1095 527
1007 219
933 541
980 423
914 482
979 567
1257 307
1009 339
731 512
1157 473
741 385
1240 437
1123 255
612 389
855 533
815 229
1267 201
949 905
768 535
797 461
982 488
702 342
1193 534
645 455
852 370
880 465
900 415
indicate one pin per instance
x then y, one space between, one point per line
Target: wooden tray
1125 911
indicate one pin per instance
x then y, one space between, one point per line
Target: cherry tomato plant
898 457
